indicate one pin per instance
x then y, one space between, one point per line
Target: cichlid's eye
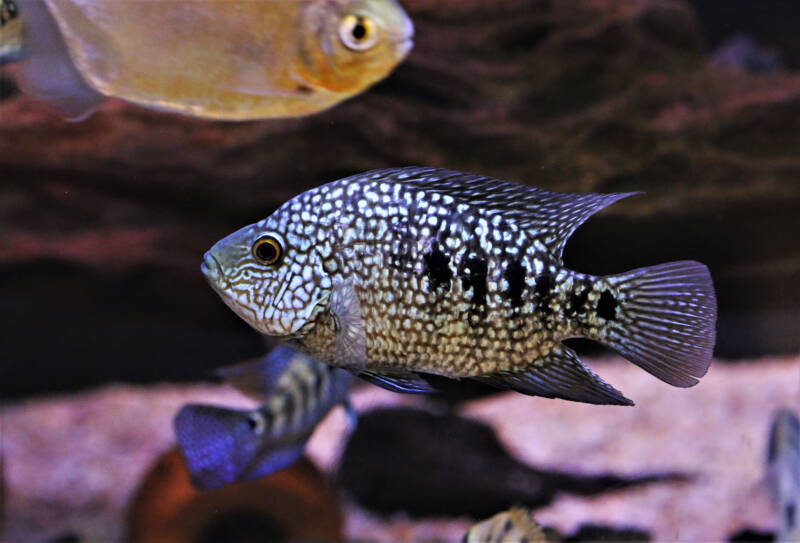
268 249
358 32
256 422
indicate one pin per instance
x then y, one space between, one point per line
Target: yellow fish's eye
358 32
268 250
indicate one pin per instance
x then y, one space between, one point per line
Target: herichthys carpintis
221 59
398 272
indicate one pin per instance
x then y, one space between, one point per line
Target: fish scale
433 326
422 270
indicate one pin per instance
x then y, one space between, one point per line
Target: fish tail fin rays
560 374
48 72
665 320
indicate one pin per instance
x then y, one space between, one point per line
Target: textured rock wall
104 222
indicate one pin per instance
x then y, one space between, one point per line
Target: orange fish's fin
48 72
560 374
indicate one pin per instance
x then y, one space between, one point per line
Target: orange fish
219 59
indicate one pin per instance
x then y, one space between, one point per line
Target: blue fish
223 446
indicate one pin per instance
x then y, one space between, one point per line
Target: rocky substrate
73 462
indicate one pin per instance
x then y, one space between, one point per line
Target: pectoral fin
350 342
559 375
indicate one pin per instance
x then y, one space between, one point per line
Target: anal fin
398 381
558 375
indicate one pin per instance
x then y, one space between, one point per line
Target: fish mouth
404 47
211 268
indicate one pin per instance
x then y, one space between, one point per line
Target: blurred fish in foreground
428 465
222 446
513 526
11 31
219 59
402 272
783 473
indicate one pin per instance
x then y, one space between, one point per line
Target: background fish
222 445
426 464
11 31
783 473
395 272
222 59
513 526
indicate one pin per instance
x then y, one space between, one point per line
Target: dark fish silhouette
425 464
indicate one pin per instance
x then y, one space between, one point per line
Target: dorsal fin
553 216
257 380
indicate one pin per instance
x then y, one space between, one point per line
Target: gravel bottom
73 462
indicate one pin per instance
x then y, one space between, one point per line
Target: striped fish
398 273
222 446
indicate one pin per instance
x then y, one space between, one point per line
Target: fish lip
404 47
211 268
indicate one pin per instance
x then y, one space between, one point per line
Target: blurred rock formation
104 222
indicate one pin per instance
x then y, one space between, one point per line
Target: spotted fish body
398 272
513 526
222 445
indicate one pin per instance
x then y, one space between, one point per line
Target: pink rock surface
73 462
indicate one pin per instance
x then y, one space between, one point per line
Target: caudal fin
665 320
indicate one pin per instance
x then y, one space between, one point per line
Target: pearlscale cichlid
296 392
219 59
401 272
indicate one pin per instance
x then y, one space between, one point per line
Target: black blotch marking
515 275
607 306
437 268
789 514
475 278
577 300
543 292
523 540
507 526
304 89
